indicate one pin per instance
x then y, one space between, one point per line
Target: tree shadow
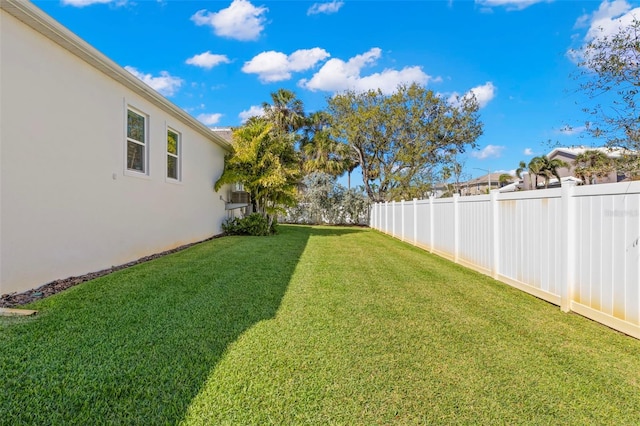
137 345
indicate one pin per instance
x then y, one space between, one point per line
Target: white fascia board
38 20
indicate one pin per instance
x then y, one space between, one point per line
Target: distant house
481 185
568 155
97 169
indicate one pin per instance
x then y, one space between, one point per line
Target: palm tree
321 152
549 168
591 164
286 112
504 179
322 155
535 167
350 161
522 167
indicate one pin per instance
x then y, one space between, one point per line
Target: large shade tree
400 141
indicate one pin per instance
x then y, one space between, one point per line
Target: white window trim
178 157
127 170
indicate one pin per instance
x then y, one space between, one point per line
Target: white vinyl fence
576 247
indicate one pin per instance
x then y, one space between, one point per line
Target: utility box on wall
240 197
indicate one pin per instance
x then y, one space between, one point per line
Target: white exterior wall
68 206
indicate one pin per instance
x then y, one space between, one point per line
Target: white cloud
337 75
610 17
276 66
528 151
331 7
83 3
240 21
490 151
207 60
209 119
510 4
483 94
253 111
165 84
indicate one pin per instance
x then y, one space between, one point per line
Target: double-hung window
173 154
136 141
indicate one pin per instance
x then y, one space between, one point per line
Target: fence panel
445 230
397 220
423 224
530 231
476 231
578 247
407 221
608 261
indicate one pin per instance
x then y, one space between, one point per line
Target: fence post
568 246
456 228
415 222
386 217
376 216
431 223
402 220
393 218
372 217
495 215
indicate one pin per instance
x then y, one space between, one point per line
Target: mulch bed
12 300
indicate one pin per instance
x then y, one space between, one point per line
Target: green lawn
313 326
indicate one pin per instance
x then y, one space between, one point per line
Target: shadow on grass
136 346
330 230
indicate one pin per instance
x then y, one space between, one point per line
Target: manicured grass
313 326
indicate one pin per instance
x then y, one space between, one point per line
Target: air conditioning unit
240 197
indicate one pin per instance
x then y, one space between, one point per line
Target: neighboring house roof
613 152
484 180
224 132
33 17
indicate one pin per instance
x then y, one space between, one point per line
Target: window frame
144 144
177 155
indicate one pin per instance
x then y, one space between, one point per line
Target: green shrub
254 224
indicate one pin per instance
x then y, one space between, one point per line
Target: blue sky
219 60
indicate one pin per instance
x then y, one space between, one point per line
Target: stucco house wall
68 203
570 159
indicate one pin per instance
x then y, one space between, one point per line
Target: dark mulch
12 300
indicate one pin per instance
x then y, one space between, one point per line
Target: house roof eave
38 20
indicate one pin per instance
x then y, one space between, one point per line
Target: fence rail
576 247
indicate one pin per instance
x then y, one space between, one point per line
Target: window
136 141
173 154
